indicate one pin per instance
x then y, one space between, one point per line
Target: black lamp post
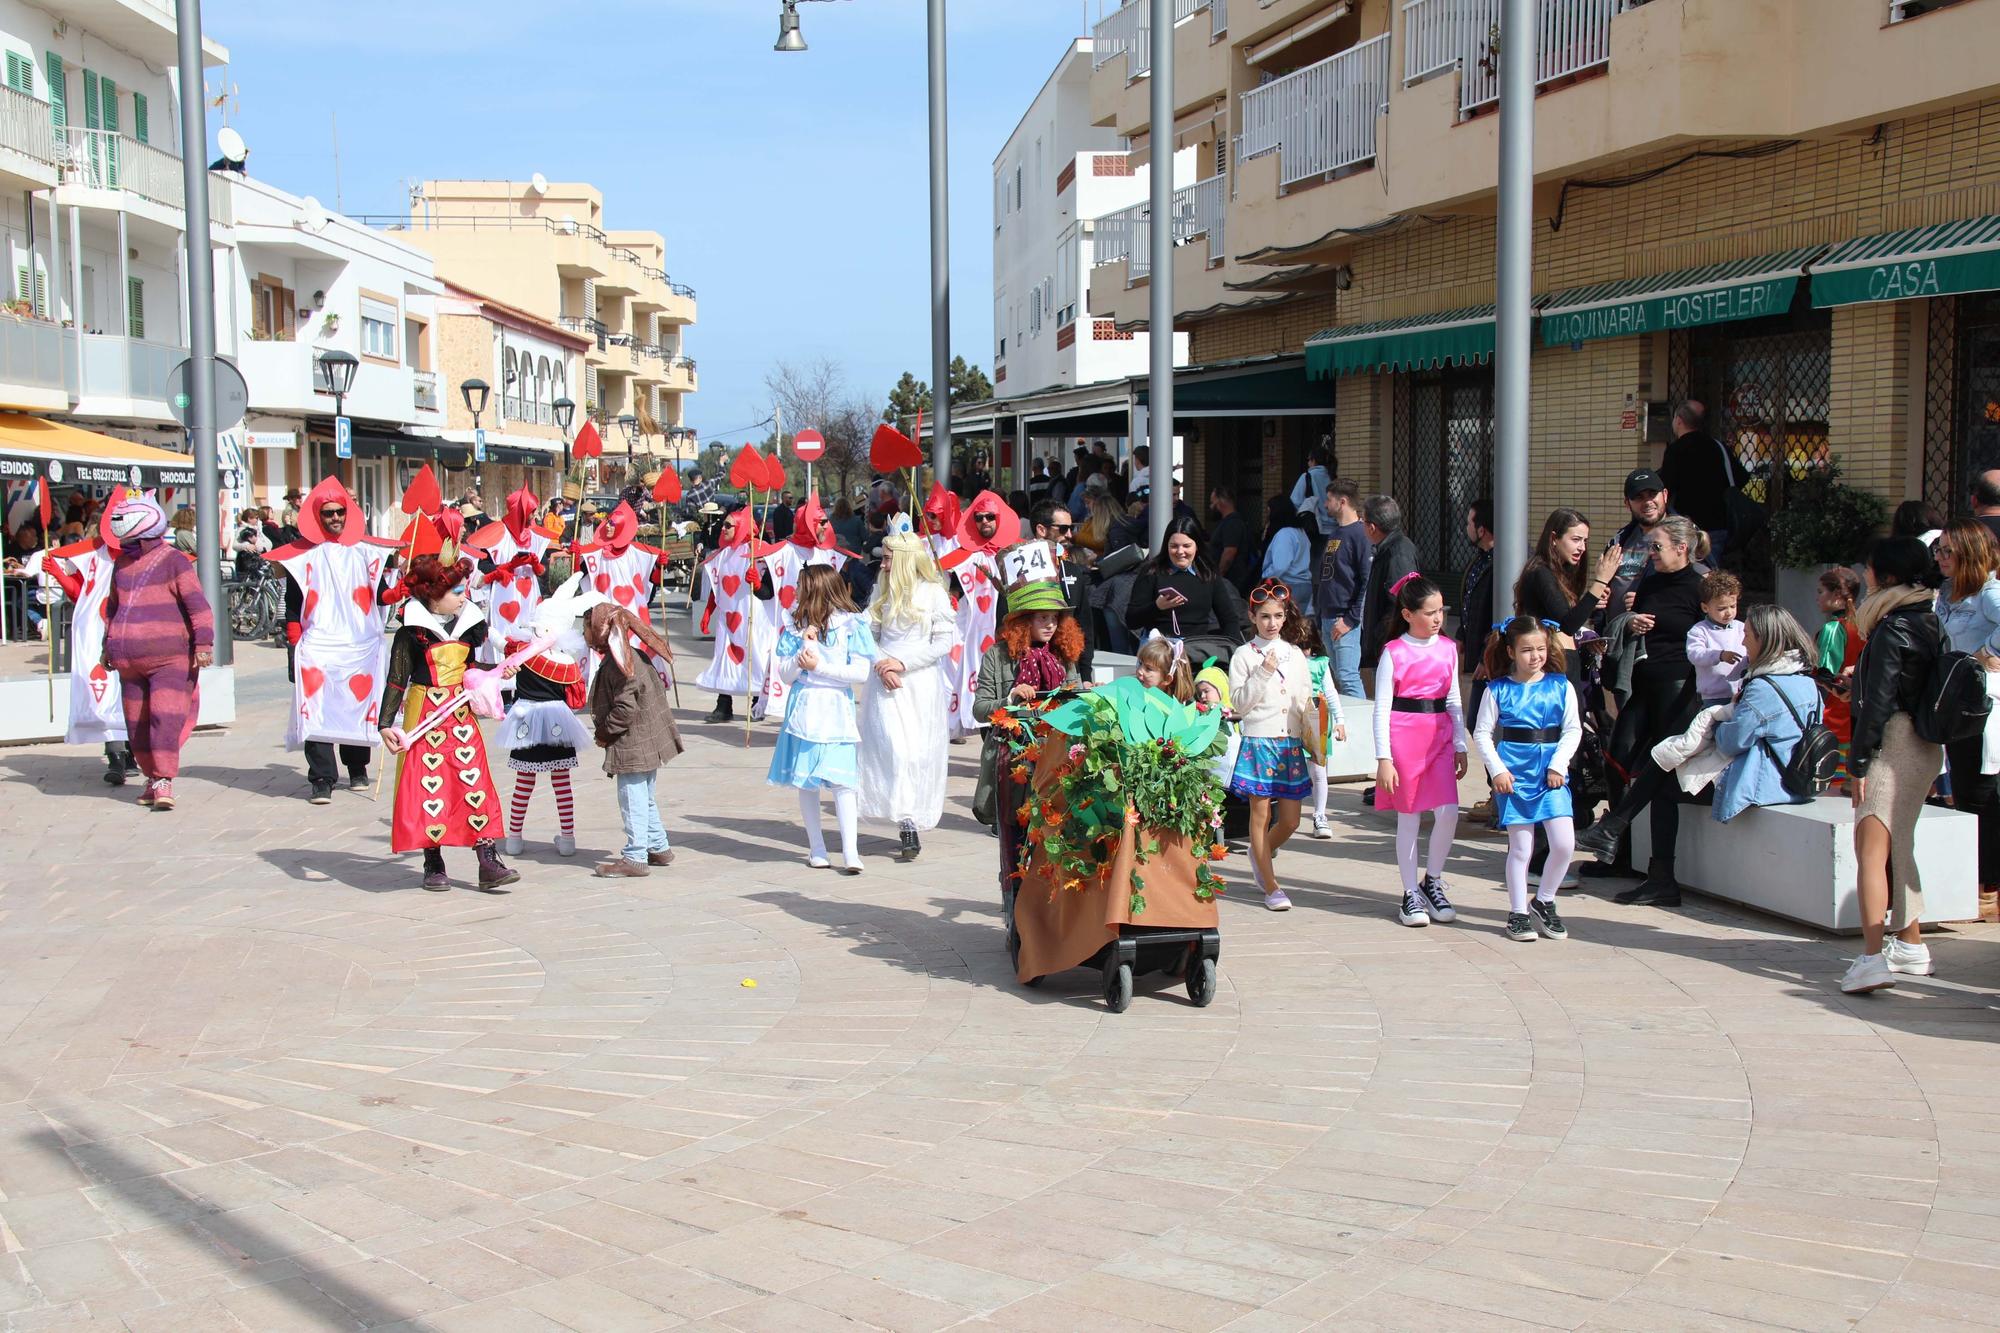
339 368
628 426
565 412
475 393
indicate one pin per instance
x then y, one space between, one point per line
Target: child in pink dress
1419 743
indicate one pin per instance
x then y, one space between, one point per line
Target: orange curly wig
1066 644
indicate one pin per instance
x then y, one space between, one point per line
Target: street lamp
789 37
565 412
339 368
475 393
628 426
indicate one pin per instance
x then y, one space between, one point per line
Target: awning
375 442
71 456
1416 342
513 456
1712 294
1950 257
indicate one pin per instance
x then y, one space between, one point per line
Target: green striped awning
1711 294
1416 342
1962 256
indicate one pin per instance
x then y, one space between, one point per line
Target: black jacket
1475 617
1211 610
1076 590
1890 677
1395 556
1700 472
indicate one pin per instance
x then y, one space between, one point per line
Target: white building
1053 183
301 281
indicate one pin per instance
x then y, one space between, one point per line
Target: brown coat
633 717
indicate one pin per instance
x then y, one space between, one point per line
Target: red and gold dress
444 785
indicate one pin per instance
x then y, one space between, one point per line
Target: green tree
910 396
968 383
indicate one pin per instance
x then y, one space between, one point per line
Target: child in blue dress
1527 732
822 655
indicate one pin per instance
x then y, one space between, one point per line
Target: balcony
1320 120
126 376
616 356
583 324
679 376
1572 37
25 130
1199 210
578 250
106 160
425 390
286 377
34 365
1129 32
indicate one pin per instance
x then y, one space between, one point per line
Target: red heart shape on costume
602 583
786 596
623 595
525 584
957 653
638 583
99 673
361 686
985 601
734 621
312 678
104 611
730 585
312 600
364 597
736 652
985 644
509 611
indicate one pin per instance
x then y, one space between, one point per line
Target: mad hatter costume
1014 660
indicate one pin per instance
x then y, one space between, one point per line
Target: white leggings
845 812
1444 827
1318 772
1521 849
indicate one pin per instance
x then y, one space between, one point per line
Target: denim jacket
1974 623
1752 778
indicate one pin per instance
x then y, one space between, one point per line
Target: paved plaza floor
252 1077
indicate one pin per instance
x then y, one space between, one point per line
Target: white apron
341 655
96 708
510 599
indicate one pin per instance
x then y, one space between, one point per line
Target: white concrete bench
1797 861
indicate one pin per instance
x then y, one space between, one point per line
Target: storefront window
1768 384
1978 391
1444 461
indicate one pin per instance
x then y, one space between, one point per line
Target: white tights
845 812
1319 788
1444 827
1521 849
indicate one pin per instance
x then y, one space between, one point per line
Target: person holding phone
1178 595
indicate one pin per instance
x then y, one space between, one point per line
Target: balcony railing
106 160
584 324
1199 210
1571 36
25 126
33 352
423 221
1129 32
426 390
1320 119
1909 9
128 367
681 289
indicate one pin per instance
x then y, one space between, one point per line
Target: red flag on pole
422 496
747 472
46 502
892 451
588 443
667 490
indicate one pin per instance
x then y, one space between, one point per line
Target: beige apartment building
1787 208
540 251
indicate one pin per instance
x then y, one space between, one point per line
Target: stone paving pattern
254 1078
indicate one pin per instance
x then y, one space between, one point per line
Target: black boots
911 848
117 762
494 875
434 877
1601 839
723 711
1660 888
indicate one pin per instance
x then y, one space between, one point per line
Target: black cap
1644 479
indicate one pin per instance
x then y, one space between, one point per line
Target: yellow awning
70 455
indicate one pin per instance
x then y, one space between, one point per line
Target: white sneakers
565 845
1869 972
511 844
1911 959
1321 829
1276 901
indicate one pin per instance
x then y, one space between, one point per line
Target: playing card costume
515 555
157 625
334 621
975 567
96 701
731 578
445 795
619 567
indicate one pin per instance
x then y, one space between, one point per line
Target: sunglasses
1061 527
1270 590
332 511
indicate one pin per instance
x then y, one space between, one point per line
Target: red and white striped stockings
524 789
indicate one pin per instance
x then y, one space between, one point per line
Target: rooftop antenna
226 99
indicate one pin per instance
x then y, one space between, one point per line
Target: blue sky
791 188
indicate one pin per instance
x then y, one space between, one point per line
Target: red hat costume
520 513
812 530
619 529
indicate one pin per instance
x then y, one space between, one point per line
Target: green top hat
1031 597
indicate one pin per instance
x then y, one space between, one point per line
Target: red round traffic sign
808 445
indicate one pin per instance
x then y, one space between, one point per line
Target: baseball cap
1641 480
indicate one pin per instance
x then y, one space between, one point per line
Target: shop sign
1680 310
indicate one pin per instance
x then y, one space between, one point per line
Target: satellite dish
311 216
538 184
232 145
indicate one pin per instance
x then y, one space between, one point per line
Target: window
40 297
545 379
273 315
20 72
378 329
1017 185
139 127
510 388
135 295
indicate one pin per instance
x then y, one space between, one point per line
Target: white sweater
1267 702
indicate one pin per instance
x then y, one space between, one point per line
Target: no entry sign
808 445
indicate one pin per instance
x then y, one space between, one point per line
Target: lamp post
1514 265
565 412
477 393
790 39
628 426
339 368
199 302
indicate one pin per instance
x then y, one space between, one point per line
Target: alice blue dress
818 745
1537 706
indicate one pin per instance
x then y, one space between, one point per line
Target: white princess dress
903 731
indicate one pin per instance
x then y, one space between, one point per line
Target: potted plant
1825 522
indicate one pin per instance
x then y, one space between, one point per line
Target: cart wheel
1201 982
1118 988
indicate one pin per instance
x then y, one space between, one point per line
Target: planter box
1797 861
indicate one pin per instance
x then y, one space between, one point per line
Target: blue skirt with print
1271 766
